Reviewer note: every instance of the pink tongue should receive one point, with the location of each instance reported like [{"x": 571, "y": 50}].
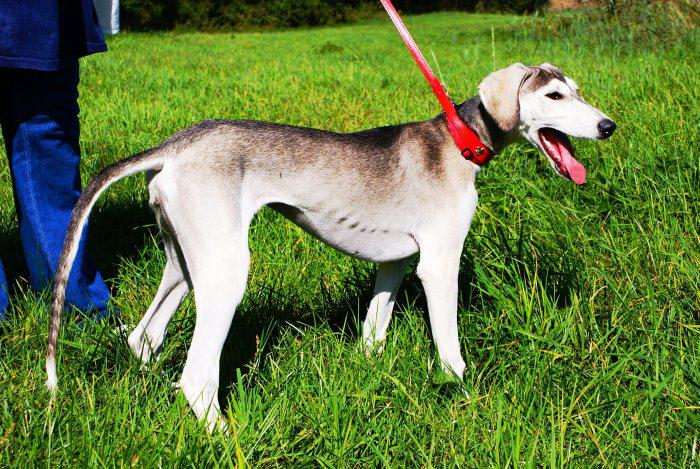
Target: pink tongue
[{"x": 573, "y": 168}]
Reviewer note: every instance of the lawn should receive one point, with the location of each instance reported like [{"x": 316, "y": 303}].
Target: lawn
[{"x": 579, "y": 308}]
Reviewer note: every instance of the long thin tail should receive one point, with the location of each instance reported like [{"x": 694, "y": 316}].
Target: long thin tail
[{"x": 150, "y": 159}]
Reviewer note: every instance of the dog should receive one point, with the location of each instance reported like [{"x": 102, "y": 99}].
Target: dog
[{"x": 382, "y": 195}]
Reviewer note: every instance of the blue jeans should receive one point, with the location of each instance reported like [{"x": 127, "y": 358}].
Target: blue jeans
[{"x": 39, "y": 119}]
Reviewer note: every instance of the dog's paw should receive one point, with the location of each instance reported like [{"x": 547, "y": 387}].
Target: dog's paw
[
  {"x": 450, "y": 382},
  {"x": 142, "y": 348},
  {"x": 220, "y": 425},
  {"x": 371, "y": 347},
  {"x": 443, "y": 377}
]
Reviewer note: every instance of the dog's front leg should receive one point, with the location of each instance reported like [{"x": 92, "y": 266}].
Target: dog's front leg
[
  {"x": 438, "y": 270},
  {"x": 389, "y": 276}
]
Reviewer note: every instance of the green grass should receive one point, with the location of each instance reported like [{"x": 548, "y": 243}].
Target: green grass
[{"x": 579, "y": 306}]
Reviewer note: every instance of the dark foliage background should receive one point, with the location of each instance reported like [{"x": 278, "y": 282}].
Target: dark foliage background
[{"x": 269, "y": 14}]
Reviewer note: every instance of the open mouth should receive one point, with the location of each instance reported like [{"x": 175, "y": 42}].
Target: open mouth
[{"x": 558, "y": 147}]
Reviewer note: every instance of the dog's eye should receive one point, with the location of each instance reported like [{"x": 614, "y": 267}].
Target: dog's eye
[{"x": 554, "y": 95}]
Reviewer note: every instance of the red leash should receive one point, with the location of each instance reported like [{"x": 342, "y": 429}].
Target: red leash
[{"x": 467, "y": 141}]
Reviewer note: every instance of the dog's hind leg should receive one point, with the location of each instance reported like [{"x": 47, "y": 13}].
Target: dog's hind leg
[
  {"x": 389, "y": 276},
  {"x": 219, "y": 282},
  {"x": 212, "y": 230},
  {"x": 147, "y": 338}
]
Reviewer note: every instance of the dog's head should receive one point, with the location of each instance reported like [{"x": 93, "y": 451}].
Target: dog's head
[{"x": 543, "y": 105}]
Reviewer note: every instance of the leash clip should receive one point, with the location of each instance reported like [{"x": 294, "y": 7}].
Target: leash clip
[{"x": 476, "y": 156}]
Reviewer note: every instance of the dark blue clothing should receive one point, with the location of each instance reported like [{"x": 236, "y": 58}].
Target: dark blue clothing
[
  {"x": 40, "y": 34},
  {"x": 39, "y": 119}
]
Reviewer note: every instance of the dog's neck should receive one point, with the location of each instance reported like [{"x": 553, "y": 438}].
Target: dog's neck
[{"x": 475, "y": 116}]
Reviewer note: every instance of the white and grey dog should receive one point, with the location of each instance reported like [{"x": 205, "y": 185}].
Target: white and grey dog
[{"x": 383, "y": 194}]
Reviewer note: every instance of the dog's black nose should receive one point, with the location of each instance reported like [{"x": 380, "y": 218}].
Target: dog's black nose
[{"x": 606, "y": 128}]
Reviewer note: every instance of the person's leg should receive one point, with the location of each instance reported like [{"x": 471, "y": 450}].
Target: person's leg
[
  {"x": 42, "y": 138},
  {"x": 4, "y": 299}
]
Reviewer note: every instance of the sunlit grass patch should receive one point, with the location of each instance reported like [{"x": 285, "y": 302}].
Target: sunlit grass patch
[{"x": 578, "y": 305}]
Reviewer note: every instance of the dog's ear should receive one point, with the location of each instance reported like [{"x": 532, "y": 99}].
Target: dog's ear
[{"x": 500, "y": 94}]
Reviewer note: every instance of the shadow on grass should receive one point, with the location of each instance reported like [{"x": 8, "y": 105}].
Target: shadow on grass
[
  {"x": 259, "y": 324},
  {"x": 258, "y": 327},
  {"x": 119, "y": 231},
  {"x": 13, "y": 259}
]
